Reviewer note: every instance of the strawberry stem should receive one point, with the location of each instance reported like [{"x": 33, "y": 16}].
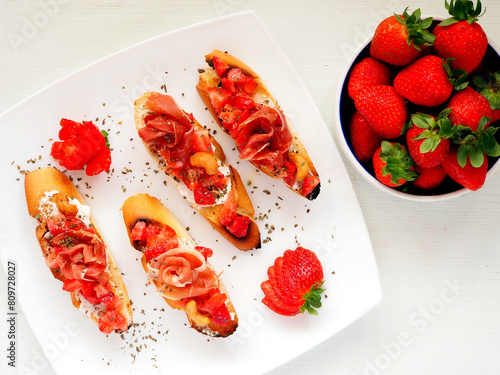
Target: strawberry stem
[
  {"x": 312, "y": 299},
  {"x": 417, "y": 29},
  {"x": 462, "y": 10}
]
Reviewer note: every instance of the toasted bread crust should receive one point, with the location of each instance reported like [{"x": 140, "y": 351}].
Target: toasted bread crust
[
  {"x": 37, "y": 183},
  {"x": 211, "y": 214},
  {"x": 143, "y": 207},
  {"x": 209, "y": 78}
]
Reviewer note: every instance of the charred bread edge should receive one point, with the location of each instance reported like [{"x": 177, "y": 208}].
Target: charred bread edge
[
  {"x": 37, "y": 183},
  {"x": 143, "y": 207},
  {"x": 211, "y": 214},
  {"x": 209, "y": 78}
]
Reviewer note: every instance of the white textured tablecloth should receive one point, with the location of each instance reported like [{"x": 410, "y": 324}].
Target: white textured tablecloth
[{"x": 439, "y": 262}]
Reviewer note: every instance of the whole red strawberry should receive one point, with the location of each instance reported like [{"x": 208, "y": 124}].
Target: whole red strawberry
[
  {"x": 364, "y": 140},
  {"x": 424, "y": 139},
  {"x": 468, "y": 176},
  {"x": 425, "y": 82},
  {"x": 368, "y": 72},
  {"x": 294, "y": 284},
  {"x": 384, "y": 109},
  {"x": 429, "y": 178},
  {"x": 392, "y": 164},
  {"x": 398, "y": 39},
  {"x": 489, "y": 87},
  {"x": 468, "y": 107},
  {"x": 461, "y": 37}
]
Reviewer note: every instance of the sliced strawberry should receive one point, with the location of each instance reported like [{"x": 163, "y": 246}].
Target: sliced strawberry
[
  {"x": 272, "y": 301},
  {"x": 100, "y": 162}
]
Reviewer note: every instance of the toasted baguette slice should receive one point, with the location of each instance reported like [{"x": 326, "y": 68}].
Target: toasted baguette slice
[
  {"x": 143, "y": 207},
  {"x": 49, "y": 193},
  {"x": 211, "y": 213},
  {"x": 304, "y": 180}
]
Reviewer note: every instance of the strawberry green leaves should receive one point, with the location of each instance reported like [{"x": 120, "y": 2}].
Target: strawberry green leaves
[
  {"x": 475, "y": 144},
  {"x": 312, "y": 299},
  {"x": 417, "y": 28},
  {"x": 462, "y": 10}
]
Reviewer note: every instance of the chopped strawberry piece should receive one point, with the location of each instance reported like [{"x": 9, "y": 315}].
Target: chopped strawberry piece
[
  {"x": 111, "y": 300},
  {"x": 201, "y": 142},
  {"x": 139, "y": 231},
  {"x": 228, "y": 211},
  {"x": 205, "y": 251},
  {"x": 213, "y": 303},
  {"x": 70, "y": 285},
  {"x": 290, "y": 170},
  {"x": 219, "y": 97},
  {"x": 239, "y": 226},
  {"x": 100, "y": 162},
  {"x": 220, "y": 66},
  {"x": 309, "y": 185},
  {"x": 155, "y": 251},
  {"x": 111, "y": 321},
  {"x": 204, "y": 197},
  {"x": 221, "y": 316},
  {"x": 61, "y": 225}
]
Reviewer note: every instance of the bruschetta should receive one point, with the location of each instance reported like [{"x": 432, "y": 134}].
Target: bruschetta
[
  {"x": 178, "y": 267},
  {"x": 195, "y": 162},
  {"x": 75, "y": 251},
  {"x": 243, "y": 107}
]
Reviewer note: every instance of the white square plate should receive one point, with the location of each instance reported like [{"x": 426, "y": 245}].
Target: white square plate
[{"x": 332, "y": 225}]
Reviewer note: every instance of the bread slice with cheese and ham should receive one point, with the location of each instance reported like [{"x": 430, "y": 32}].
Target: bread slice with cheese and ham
[
  {"x": 244, "y": 108},
  {"x": 74, "y": 250},
  {"x": 195, "y": 163},
  {"x": 178, "y": 267}
]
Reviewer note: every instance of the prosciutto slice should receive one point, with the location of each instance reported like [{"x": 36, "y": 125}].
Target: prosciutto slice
[
  {"x": 264, "y": 136},
  {"x": 82, "y": 255},
  {"x": 168, "y": 130},
  {"x": 182, "y": 272}
]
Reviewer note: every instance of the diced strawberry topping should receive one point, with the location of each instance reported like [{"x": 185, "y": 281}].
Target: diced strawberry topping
[
  {"x": 201, "y": 142},
  {"x": 139, "y": 231},
  {"x": 290, "y": 170},
  {"x": 220, "y": 66},
  {"x": 59, "y": 225},
  {"x": 155, "y": 251},
  {"x": 204, "y": 197},
  {"x": 205, "y": 251},
  {"x": 219, "y": 97},
  {"x": 111, "y": 321},
  {"x": 239, "y": 226},
  {"x": 309, "y": 185}
]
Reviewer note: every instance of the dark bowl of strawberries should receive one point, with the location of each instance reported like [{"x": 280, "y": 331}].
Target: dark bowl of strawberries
[{"x": 419, "y": 105}]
